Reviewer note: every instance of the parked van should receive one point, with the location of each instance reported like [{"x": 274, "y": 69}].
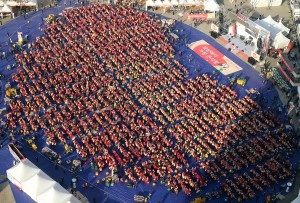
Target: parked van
[{"x": 295, "y": 7}]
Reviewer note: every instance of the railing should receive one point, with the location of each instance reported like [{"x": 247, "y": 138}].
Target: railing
[{"x": 15, "y": 152}]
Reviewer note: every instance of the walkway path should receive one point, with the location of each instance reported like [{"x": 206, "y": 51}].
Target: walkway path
[{"x": 6, "y": 194}]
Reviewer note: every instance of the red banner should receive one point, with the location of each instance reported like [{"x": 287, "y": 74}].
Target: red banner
[
  {"x": 210, "y": 54},
  {"x": 197, "y": 16},
  {"x": 214, "y": 57},
  {"x": 286, "y": 63},
  {"x": 284, "y": 73}
]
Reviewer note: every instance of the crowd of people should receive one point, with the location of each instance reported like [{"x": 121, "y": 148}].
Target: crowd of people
[
  {"x": 242, "y": 187},
  {"x": 116, "y": 92}
]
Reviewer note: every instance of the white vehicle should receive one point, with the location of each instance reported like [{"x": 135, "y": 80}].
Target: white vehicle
[{"x": 295, "y": 7}]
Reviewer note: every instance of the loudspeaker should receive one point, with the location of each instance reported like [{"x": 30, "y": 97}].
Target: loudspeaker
[
  {"x": 252, "y": 61},
  {"x": 214, "y": 34}
]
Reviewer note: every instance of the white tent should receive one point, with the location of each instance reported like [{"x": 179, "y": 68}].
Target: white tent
[
  {"x": 174, "y": 2},
  {"x": 269, "y": 20},
  {"x": 55, "y": 194},
  {"x": 37, "y": 184},
  {"x": 150, "y": 3},
  {"x": 273, "y": 26},
  {"x": 269, "y": 24},
  {"x": 31, "y": 3},
  {"x": 265, "y": 3},
  {"x": 72, "y": 200},
  {"x": 190, "y": 2},
  {"x": 6, "y": 9},
  {"x": 297, "y": 200},
  {"x": 280, "y": 41},
  {"x": 283, "y": 28},
  {"x": 159, "y": 3},
  {"x": 182, "y": 2},
  {"x": 12, "y": 3},
  {"x": 211, "y": 5},
  {"x": 169, "y": 3},
  {"x": 22, "y": 172}
]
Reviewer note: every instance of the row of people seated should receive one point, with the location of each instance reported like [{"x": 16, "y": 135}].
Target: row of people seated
[
  {"x": 243, "y": 156},
  {"x": 243, "y": 187}
]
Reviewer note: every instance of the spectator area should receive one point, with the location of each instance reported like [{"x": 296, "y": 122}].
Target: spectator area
[{"x": 126, "y": 96}]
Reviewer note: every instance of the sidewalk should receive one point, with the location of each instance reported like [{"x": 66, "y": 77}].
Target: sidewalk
[{"x": 6, "y": 194}]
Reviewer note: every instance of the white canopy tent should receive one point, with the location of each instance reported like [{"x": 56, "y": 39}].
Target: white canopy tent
[
  {"x": 12, "y": 3},
  {"x": 269, "y": 20},
  {"x": 37, "y": 184},
  {"x": 32, "y": 3},
  {"x": 273, "y": 25},
  {"x": 170, "y": 3},
  {"x": 55, "y": 194},
  {"x": 280, "y": 41},
  {"x": 29, "y": 3},
  {"x": 175, "y": 2},
  {"x": 278, "y": 31},
  {"x": 22, "y": 172},
  {"x": 153, "y": 3},
  {"x": 283, "y": 28},
  {"x": 269, "y": 24},
  {"x": 265, "y": 3},
  {"x": 72, "y": 200},
  {"x": 21, "y": 3},
  {"x": 297, "y": 200},
  {"x": 167, "y": 3},
  {"x": 6, "y": 9},
  {"x": 211, "y": 5}
]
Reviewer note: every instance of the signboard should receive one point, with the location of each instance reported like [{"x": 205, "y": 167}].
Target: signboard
[
  {"x": 197, "y": 16},
  {"x": 201, "y": 16},
  {"x": 255, "y": 55},
  {"x": 214, "y": 57},
  {"x": 215, "y": 28}
]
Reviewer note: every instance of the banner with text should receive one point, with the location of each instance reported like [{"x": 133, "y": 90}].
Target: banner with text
[
  {"x": 214, "y": 57},
  {"x": 202, "y": 16}
]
